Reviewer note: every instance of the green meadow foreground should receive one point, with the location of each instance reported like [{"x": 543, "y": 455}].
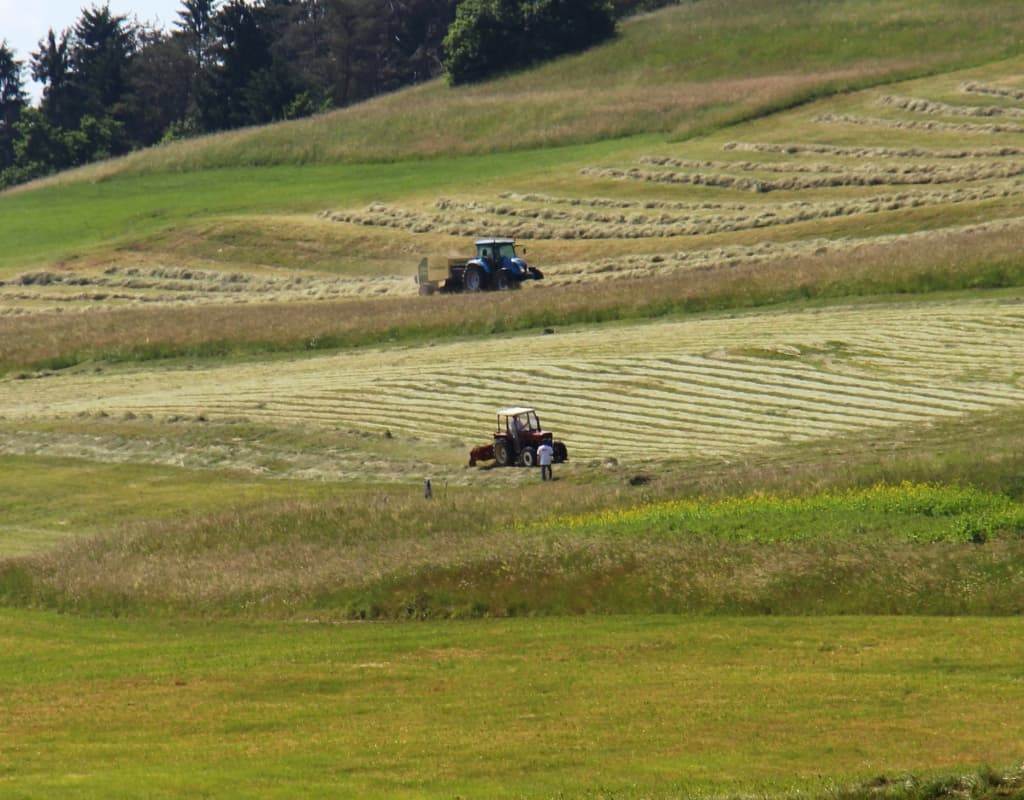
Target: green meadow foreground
[
  {"x": 616, "y": 707},
  {"x": 781, "y": 331}
]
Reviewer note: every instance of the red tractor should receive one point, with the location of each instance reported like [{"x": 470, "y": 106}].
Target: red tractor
[{"x": 516, "y": 441}]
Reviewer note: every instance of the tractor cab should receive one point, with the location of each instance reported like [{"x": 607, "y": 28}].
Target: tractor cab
[
  {"x": 498, "y": 250},
  {"x": 500, "y": 266},
  {"x": 516, "y": 422}
]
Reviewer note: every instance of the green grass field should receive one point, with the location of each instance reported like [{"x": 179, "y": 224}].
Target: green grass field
[
  {"x": 48, "y": 499},
  {"x": 619, "y": 707},
  {"x": 780, "y": 331}
]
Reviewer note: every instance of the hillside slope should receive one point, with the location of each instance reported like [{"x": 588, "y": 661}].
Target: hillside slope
[{"x": 674, "y": 71}]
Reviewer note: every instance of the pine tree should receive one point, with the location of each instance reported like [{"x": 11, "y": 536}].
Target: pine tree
[
  {"x": 195, "y": 21},
  {"x": 51, "y": 67},
  {"x": 102, "y": 47},
  {"x": 12, "y": 102}
]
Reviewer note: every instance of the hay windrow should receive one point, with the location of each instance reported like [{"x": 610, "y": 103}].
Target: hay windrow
[
  {"x": 916, "y": 125},
  {"x": 47, "y": 290},
  {"x": 915, "y": 172},
  {"x": 673, "y": 389},
  {"x": 872, "y": 152},
  {"x": 920, "y": 105},
  {"x": 992, "y": 90},
  {"x": 730, "y": 256},
  {"x": 834, "y": 177},
  {"x": 615, "y": 202},
  {"x": 467, "y": 218}
]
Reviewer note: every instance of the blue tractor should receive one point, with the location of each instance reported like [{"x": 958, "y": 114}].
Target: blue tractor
[{"x": 496, "y": 267}]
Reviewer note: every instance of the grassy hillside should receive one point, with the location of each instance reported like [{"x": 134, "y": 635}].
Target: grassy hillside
[{"x": 673, "y": 71}]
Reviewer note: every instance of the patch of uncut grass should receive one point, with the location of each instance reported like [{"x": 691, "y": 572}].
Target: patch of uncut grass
[
  {"x": 907, "y": 511},
  {"x": 651, "y": 707},
  {"x": 952, "y": 262}
]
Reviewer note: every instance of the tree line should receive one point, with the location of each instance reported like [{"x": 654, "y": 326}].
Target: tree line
[{"x": 111, "y": 84}]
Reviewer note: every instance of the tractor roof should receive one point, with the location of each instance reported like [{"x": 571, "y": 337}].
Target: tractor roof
[
  {"x": 515, "y": 411},
  {"x": 495, "y": 241}
]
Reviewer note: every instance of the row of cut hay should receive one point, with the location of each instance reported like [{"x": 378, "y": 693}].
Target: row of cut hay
[
  {"x": 713, "y": 408},
  {"x": 919, "y": 172},
  {"x": 920, "y": 105},
  {"x": 917, "y": 125},
  {"x": 556, "y": 214},
  {"x": 617, "y": 202},
  {"x": 174, "y": 286},
  {"x": 746, "y": 214},
  {"x": 576, "y": 225},
  {"x": 872, "y": 152},
  {"x": 867, "y": 177},
  {"x": 681, "y": 393},
  {"x": 992, "y": 90},
  {"x": 732, "y": 256}
]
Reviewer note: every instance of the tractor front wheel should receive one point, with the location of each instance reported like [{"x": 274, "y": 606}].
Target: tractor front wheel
[
  {"x": 502, "y": 453},
  {"x": 473, "y": 279},
  {"x": 504, "y": 281},
  {"x": 561, "y": 453},
  {"x": 528, "y": 458}
]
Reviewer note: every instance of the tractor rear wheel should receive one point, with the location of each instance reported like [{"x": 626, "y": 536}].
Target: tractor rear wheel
[
  {"x": 528, "y": 458},
  {"x": 502, "y": 453},
  {"x": 473, "y": 279}
]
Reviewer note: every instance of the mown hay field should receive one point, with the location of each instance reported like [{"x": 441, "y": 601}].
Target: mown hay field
[
  {"x": 934, "y": 156},
  {"x": 718, "y": 385}
]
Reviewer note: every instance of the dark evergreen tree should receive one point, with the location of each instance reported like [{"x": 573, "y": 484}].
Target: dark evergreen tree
[
  {"x": 240, "y": 50},
  {"x": 195, "y": 21},
  {"x": 160, "y": 87},
  {"x": 554, "y": 27},
  {"x": 418, "y": 29},
  {"x": 51, "y": 67},
  {"x": 101, "y": 49},
  {"x": 352, "y": 39},
  {"x": 12, "y": 102}
]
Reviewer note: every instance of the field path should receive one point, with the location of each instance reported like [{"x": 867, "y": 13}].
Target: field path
[{"x": 710, "y": 386}]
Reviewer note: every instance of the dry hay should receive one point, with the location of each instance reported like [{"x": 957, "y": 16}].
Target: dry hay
[
  {"x": 617, "y": 202},
  {"x": 914, "y": 172},
  {"x": 917, "y": 125},
  {"x": 873, "y": 152},
  {"x": 919, "y": 105},
  {"x": 468, "y": 218},
  {"x": 713, "y": 386},
  {"x": 834, "y": 177},
  {"x": 973, "y": 87},
  {"x": 177, "y": 285},
  {"x": 731, "y": 256}
]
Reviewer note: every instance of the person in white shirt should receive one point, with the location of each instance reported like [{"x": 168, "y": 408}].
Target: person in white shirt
[{"x": 545, "y": 455}]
